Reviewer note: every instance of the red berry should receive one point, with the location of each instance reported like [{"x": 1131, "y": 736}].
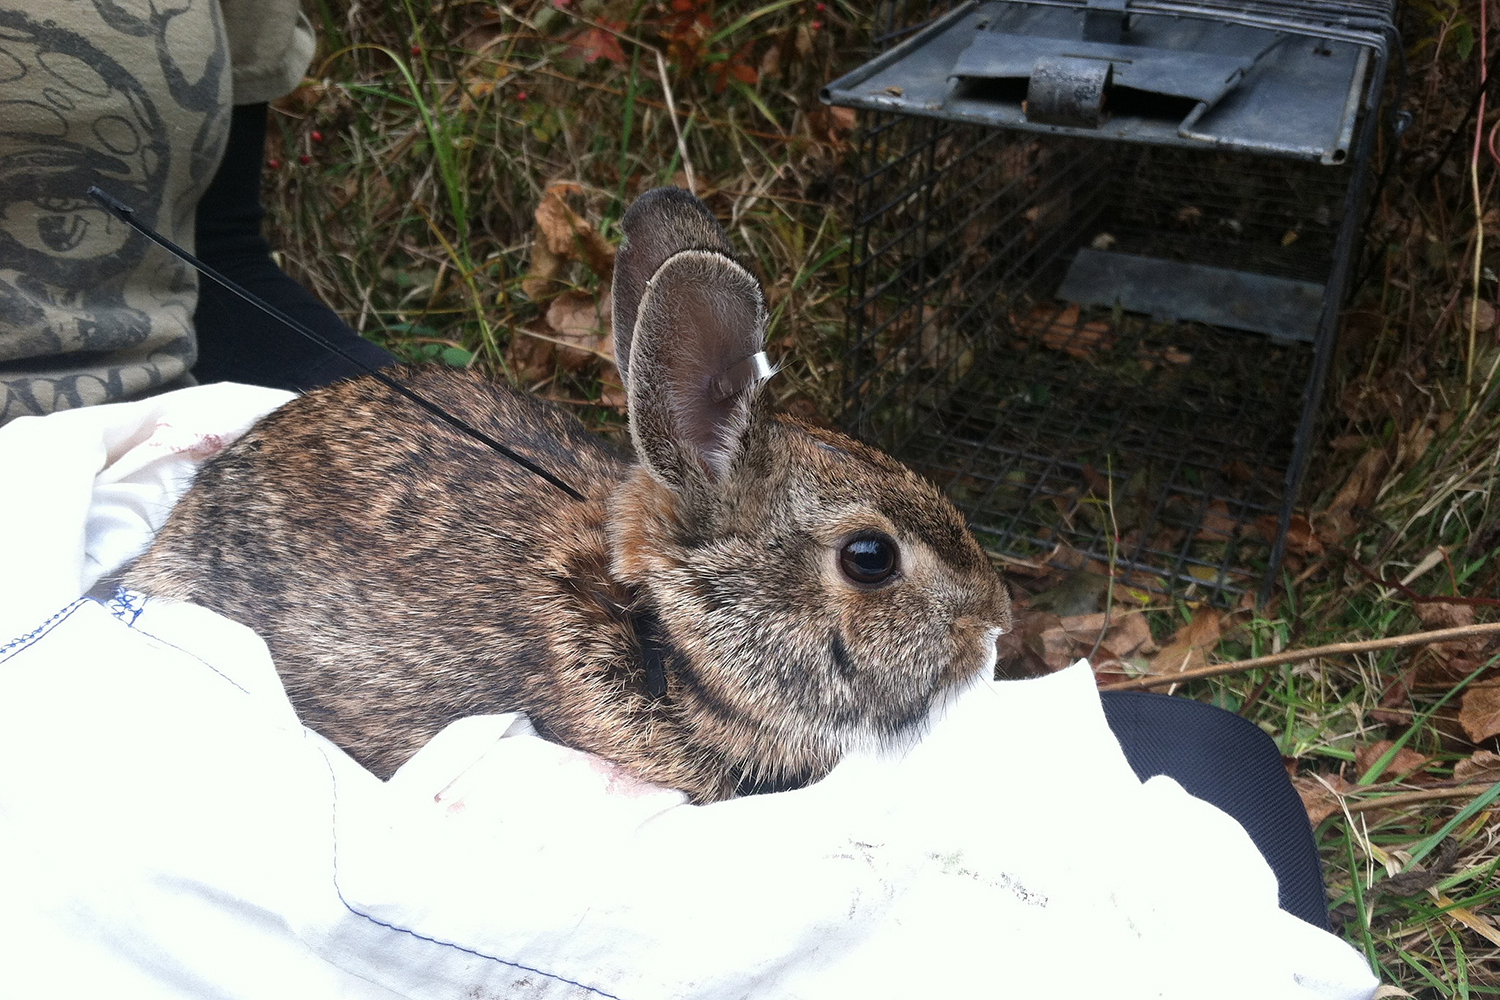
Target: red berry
[
  {"x": 520, "y": 95},
  {"x": 317, "y": 136},
  {"x": 273, "y": 163},
  {"x": 820, "y": 7},
  {"x": 304, "y": 159},
  {"x": 816, "y": 25},
  {"x": 416, "y": 50}
]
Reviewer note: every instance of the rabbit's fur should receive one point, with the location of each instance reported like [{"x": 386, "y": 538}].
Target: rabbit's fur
[{"x": 405, "y": 576}]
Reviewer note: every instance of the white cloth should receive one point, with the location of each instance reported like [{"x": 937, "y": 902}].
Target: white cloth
[{"x": 168, "y": 828}]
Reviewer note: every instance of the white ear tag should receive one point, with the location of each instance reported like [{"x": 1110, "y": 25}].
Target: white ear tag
[{"x": 742, "y": 375}]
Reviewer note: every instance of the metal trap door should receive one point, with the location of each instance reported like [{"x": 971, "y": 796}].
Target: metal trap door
[
  {"x": 1230, "y": 241},
  {"x": 1284, "y": 80}
]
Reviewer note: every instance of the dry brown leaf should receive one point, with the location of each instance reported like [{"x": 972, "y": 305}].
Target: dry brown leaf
[
  {"x": 546, "y": 269},
  {"x": 1404, "y": 763},
  {"x": 529, "y": 357},
  {"x": 1482, "y": 766},
  {"x": 1484, "y": 314},
  {"x": 1320, "y": 794},
  {"x": 1190, "y": 645},
  {"x": 570, "y": 236},
  {"x": 1239, "y": 472},
  {"x": 1128, "y": 633},
  {"x": 1150, "y": 357},
  {"x": 580, "y": 324},
  {"x": 770, "y": 63},
  {"x": 1480, "y": 713},
  {"x": 1301, "y": 540},
  {"x": 1455, "y": 660},
  {"x": 1062, "y": 331},
  {"x": 1440, "y": 614},
  {"x": 1218, "y": 524},
  {"x": 1023, "y": 651},
  {"x": 1358, "y": 492}
]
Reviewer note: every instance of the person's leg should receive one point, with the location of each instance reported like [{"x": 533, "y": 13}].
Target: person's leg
[
  {"x": 1229, "y": 762},
  {"x": 237, "y": 342}
]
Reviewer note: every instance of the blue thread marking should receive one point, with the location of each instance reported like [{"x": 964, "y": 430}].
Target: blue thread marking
[
  {"x": 20, "y": 642},
  {"x": 333, "y": 830},
  {"x": 126, "y": 605}
]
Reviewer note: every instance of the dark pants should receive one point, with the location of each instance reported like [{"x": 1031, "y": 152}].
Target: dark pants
[
  {"x": 237, "y": 342},
  {"x": 1223, "y": 759}
]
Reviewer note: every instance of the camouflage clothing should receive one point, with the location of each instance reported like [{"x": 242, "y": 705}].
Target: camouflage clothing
[{"x": 134, "y": 96}]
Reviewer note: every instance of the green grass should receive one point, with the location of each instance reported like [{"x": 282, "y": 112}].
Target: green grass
[{"x": 442, "y": 124}]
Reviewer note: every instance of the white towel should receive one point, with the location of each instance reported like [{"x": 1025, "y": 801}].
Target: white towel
[{"x": 168, "y": 828}]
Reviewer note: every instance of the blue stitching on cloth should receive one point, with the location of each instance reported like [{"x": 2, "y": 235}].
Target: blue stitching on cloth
[
  {"x": 131, "y": 603},
  {"x": 125, "y": 605},
  {"x": 20, "y": 642},
  {"x": 333, "y": 830}
]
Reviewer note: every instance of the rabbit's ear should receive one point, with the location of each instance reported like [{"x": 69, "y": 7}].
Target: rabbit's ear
[
  {"x": 661, "y": 223},
  {"x": 694, "y": 367}
]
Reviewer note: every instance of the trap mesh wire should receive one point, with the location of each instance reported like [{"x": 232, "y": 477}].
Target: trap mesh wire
[{"x": 1043, "y": 418}]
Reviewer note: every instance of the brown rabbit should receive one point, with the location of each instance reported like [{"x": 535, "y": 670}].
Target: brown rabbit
[{"x": 730, "y": 614}]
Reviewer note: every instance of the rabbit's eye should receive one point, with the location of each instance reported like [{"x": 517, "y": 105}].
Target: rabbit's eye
[{"x": 868, "y": 559}]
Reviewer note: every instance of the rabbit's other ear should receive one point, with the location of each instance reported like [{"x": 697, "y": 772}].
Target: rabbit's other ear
[
  {"x": 699, "y": 317},
  {"x": 660, "y": 223}
]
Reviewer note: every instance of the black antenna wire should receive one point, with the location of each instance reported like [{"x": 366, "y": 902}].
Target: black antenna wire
[{"x": 126, "y": 214}]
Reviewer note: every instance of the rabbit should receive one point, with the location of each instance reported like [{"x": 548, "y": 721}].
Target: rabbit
[{"x": 730, "y": 613}]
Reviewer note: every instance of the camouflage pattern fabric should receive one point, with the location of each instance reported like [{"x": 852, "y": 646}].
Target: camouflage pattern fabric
[{"x": 134, "y": 96}]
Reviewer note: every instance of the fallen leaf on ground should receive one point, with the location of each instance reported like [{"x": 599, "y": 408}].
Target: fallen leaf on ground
[
  {"x": 1078, "y": 592},
  {"x": 1441, "y": 614},
  {"x": 529, "y": 357},
  {"x": 546, "y": 269},
  {"x": 1320, "y": 794},
  {"x": 612, "y": 395},
  {"x": 1483, "y": 311},
  {"x": 1404, "y": 763},
  {"x": 1337, "y": 522},
  {"x": 1300, "y": 538},
  {"x": 1218, "y": 524},
  {"x": 1022, "y": 652},
  {"x": 580, "y": 325},
  {"x": 1062, "y": 331},
  {"x": 1052, "y": 643},
  {"x": 1482, "y": 766},
  {"x": 591, "y": 44},
  {"x": 1447, "y": 662},
  {"x": 569, "y": 235},
  {"x": 1150, "y": 357},
  {"x": 1479, "y": 713},
  {"x": 1190, "y": 646}
]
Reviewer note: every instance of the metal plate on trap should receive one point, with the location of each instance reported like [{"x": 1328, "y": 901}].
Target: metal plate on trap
[
  {"x": 1233, "y": 87},
  {"x": 1172, "y": 290}
]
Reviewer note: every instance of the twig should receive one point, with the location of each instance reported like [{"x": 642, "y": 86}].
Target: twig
[
  {"x": 1297, "y": 655},
  {"x": 1409, "y": 798}
]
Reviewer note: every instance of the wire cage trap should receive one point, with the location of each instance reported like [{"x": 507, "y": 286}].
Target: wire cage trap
[{"x": 1097, "y": 261}]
